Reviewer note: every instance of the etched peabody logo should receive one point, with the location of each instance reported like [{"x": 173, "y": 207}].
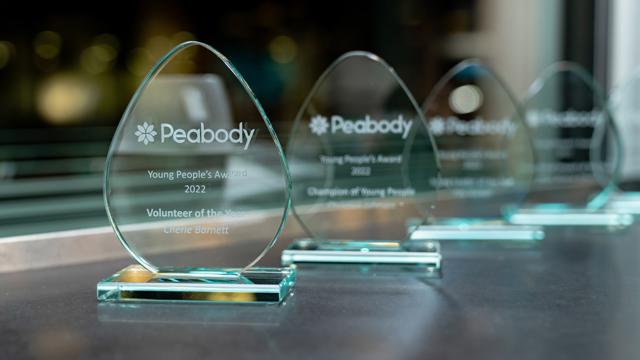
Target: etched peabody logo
[
  {"x": 320, "y": 125},
  {"x": 146, "y": 134},
  {"x": 563, "y": 119},
  {"x": 451, "y": 125}
]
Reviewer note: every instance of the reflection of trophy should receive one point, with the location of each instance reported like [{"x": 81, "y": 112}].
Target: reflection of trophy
[
  {"x": 485, "y": 156},
  {"x": 194, "y": 180},
  {"x": 361, "y": 159},
  {"x": 577, "y": 151}
]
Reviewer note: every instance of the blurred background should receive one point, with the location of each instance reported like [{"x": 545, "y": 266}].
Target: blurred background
[{"x": 67, "y": 71}]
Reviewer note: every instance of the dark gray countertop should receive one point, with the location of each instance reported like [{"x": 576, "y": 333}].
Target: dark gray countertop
[{"x": 576, "y": 296}]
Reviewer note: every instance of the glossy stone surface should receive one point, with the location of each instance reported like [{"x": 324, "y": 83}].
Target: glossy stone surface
[{"x": 575, "y": 297}]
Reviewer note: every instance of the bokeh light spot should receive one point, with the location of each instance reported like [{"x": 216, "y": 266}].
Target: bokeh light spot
[
  {"x": 47, "y": 44},
  {"x": 66, "y": 98},
  {"x": 283, "y": 49},
  {"x": 466, "y": 99}
]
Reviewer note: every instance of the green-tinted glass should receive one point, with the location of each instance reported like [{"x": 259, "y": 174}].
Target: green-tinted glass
[
  {"x": 484, "y": 148},
  {"x": 196, "y": 165},
  {"x": 576, "y": 143},
  {"x": 360, "y": 154}
]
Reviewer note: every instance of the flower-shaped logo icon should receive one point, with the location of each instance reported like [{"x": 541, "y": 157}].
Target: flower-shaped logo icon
[
  {"x": 145, "y": 133},
  {"x": 319, "y": 125}
]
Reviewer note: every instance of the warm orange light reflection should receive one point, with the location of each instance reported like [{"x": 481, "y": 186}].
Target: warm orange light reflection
[{"x": 66, "y": 98}]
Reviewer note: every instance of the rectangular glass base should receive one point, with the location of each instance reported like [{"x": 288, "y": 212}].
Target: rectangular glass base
[
  {"x": 178, "y": 314},
  {"x": 628, "y": 202},
  {"x": 418, "y": 253},
  {"x": 259, "y": 285},
  {"x": 481, "y": 232},
  {"x": 571, "y": 217}
]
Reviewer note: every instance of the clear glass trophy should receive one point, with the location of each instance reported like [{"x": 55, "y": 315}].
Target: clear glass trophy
[
  {"x": 361, "y": 160},
  {"x": 196, "y": 187},
  {"x": 624, "y": 105},
  {"x": 577, "y": 149},
  {"x": 486, "y": 158}
]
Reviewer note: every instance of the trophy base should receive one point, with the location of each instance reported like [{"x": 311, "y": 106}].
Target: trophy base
[
  {"x": 136, "y": 284},
  {"x": 628, "y": 202},
  {"x": 571, "y": 217},
  {"x": 478, "y": 232},
  {"x": 416, "y": 253}
]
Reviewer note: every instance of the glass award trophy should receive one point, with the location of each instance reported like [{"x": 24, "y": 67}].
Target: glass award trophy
[
  {"x": 624, "y": 105},
  {"x": 485, "y": 154},
  {"x": 196, "y": 187},
  {"x": 577, "y": 150},
  {"x": 361, "y": 158}
]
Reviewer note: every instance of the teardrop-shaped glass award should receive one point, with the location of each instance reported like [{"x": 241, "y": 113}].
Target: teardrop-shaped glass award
[
  {"x": 624, "y": 105},
  {"x": 577, "y": 150},
  {"x": 196, "y": 186},
  {"x": 485, "y": 154},
  {"x": 361, "y": 160}
]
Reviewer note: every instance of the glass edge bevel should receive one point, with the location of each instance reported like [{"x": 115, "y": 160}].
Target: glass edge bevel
[
  {"x": 377, "y": 59},
  {"x": 153, "y": 72},
  {"x": 599, "y": 200},
  {"x": 517, "y": 105}
]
